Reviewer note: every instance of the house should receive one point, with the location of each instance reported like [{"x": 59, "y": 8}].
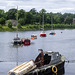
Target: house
[{"x": 14, "y": 22}]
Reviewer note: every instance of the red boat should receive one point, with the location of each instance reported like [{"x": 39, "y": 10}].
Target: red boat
[
  {"x": 42, "y": 34},
  {"x": 25, "y": 41}
]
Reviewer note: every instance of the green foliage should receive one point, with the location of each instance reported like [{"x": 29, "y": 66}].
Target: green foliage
[
  {"x": 11, "y": 14},
  {"x": 42, "y": 11},
  {"x": 21, "y": 21},
  {"x": 1, "y": 13},
  {"x": 33, "y": 11},
  {"x": 21, "y": 13},
  {"x": 9, "y": 23},
  {"x": 19, "y": 26},
  {"x": 0, "y": 26},
  {"x": 29, "y": 18},
  {"x": 2, "y": 20},
  {"x": 32, "y": 20}
]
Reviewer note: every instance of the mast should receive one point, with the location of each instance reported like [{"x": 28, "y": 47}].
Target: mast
[
  {"x": 43, "y": 22},
  {"x": 17, "y": 23},
  {"x": 51, "y": 23}
]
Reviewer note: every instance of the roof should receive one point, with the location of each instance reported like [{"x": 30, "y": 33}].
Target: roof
[{"x": 50, "y": 52}]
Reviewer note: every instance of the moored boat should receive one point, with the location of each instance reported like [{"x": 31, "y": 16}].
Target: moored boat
[
  {"x": 45, "y": 63},
  {"x": 43, "y": 34},
  {"x": 17, "y": 40},
  {"x": 25, "y": 41},
  {"x": 52, "y": 32},
  {"x": 33, "y": 36}
]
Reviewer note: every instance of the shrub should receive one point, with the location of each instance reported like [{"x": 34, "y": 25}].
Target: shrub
[
  {"x": 0, "y": 26},
  {"x": 19, "y": 25},
  {"x": 9, "y": 23}
]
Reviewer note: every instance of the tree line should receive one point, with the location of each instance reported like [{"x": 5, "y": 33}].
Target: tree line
[{"x": 35, "y": 18}]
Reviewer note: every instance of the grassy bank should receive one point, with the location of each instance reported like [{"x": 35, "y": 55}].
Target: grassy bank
[{"x": 37, "y": 27}]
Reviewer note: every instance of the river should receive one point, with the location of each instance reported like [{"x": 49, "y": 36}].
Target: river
[{"x": 11, "y": 55}]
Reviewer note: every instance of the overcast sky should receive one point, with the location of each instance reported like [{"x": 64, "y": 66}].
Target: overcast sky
[{"x": 63, "y": 6}]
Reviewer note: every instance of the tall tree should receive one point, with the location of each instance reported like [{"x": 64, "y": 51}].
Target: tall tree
[
  {"x": 42, "y": 11},
  {"x": 1, "y": 13},
  {"x": 2, "y": 20},
  {"x": 33, "y": 11},
  {"x": 21, "y": 13},
  {"x": 29, "y": 18},
  {"x": 11, "y": 14}
]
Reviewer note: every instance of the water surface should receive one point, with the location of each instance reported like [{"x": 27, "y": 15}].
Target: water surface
[{"x": 62, "y": 42}]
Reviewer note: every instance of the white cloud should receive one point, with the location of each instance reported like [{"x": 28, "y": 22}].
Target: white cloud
[{"x": 49, "y": 5}]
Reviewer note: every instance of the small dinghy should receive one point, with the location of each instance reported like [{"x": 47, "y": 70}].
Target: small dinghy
[{"x": 33, "y": 36}]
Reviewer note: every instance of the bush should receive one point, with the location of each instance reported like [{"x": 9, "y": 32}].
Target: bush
[
  {"x": 9, "y": 23},
  {"x": 19, "y": 25},
  {"x": 0, "y": 26}
]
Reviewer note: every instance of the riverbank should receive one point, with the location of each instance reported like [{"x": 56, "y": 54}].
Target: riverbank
[{"x": 37, "y": 27}]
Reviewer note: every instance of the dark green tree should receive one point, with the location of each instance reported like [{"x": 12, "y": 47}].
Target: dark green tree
[
  {"x": 11, "y": 14},
  {"x": 21, "y": 13},
  {"x": 2, "y": 20},
  {"x": 21, "y": 21},
  {"x": 33, "y": 11},
  {"x": 19, "y": 26},
  {"x": 1, "y": 13},
  {"x": 29, "y": 18},
  {"x": 9, "y": 23}
]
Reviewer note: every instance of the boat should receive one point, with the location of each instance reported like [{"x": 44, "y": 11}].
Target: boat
[
  {"x": 17, "y": 40},
  {"x": 52, "y": 31},
  {"x": 43, "y": 34},
  {"x": 47, "y": 62},
  {"x": 25, "y": 41},
  {"x": 33, "y": 36}
]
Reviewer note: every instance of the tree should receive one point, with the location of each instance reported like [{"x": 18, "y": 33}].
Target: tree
[
  {"x": 29, "y": 18},
  {"x": 1, "y": 13},
  {"x": 9, "y": 23},
  {"x": 21, "y": 13},
  {"x": 19, "y": 25},
  {"x": 42, "y": 11},
  {"x": 33, "y": 11},
  {"x": 2, "y": 20},
  {"x": 22, "y": 21},
  {"x": 0, "y": 26},
  {"x": 11, "y": 14}
]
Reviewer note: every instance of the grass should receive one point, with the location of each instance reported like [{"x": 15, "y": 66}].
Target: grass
[{"x": 37, "y": 27}]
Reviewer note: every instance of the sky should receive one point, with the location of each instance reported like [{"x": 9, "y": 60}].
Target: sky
[{"x": 55, "y": 6}]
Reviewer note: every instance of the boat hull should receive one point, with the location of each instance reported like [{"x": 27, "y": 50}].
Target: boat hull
[
  {"x": 51, "y": 33},
  {"x": 25, "y": 41},
  {"x": 17, "y": 42},
  {"x": 47, "y": 71},
  {"x": 42, "y": 35}
]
